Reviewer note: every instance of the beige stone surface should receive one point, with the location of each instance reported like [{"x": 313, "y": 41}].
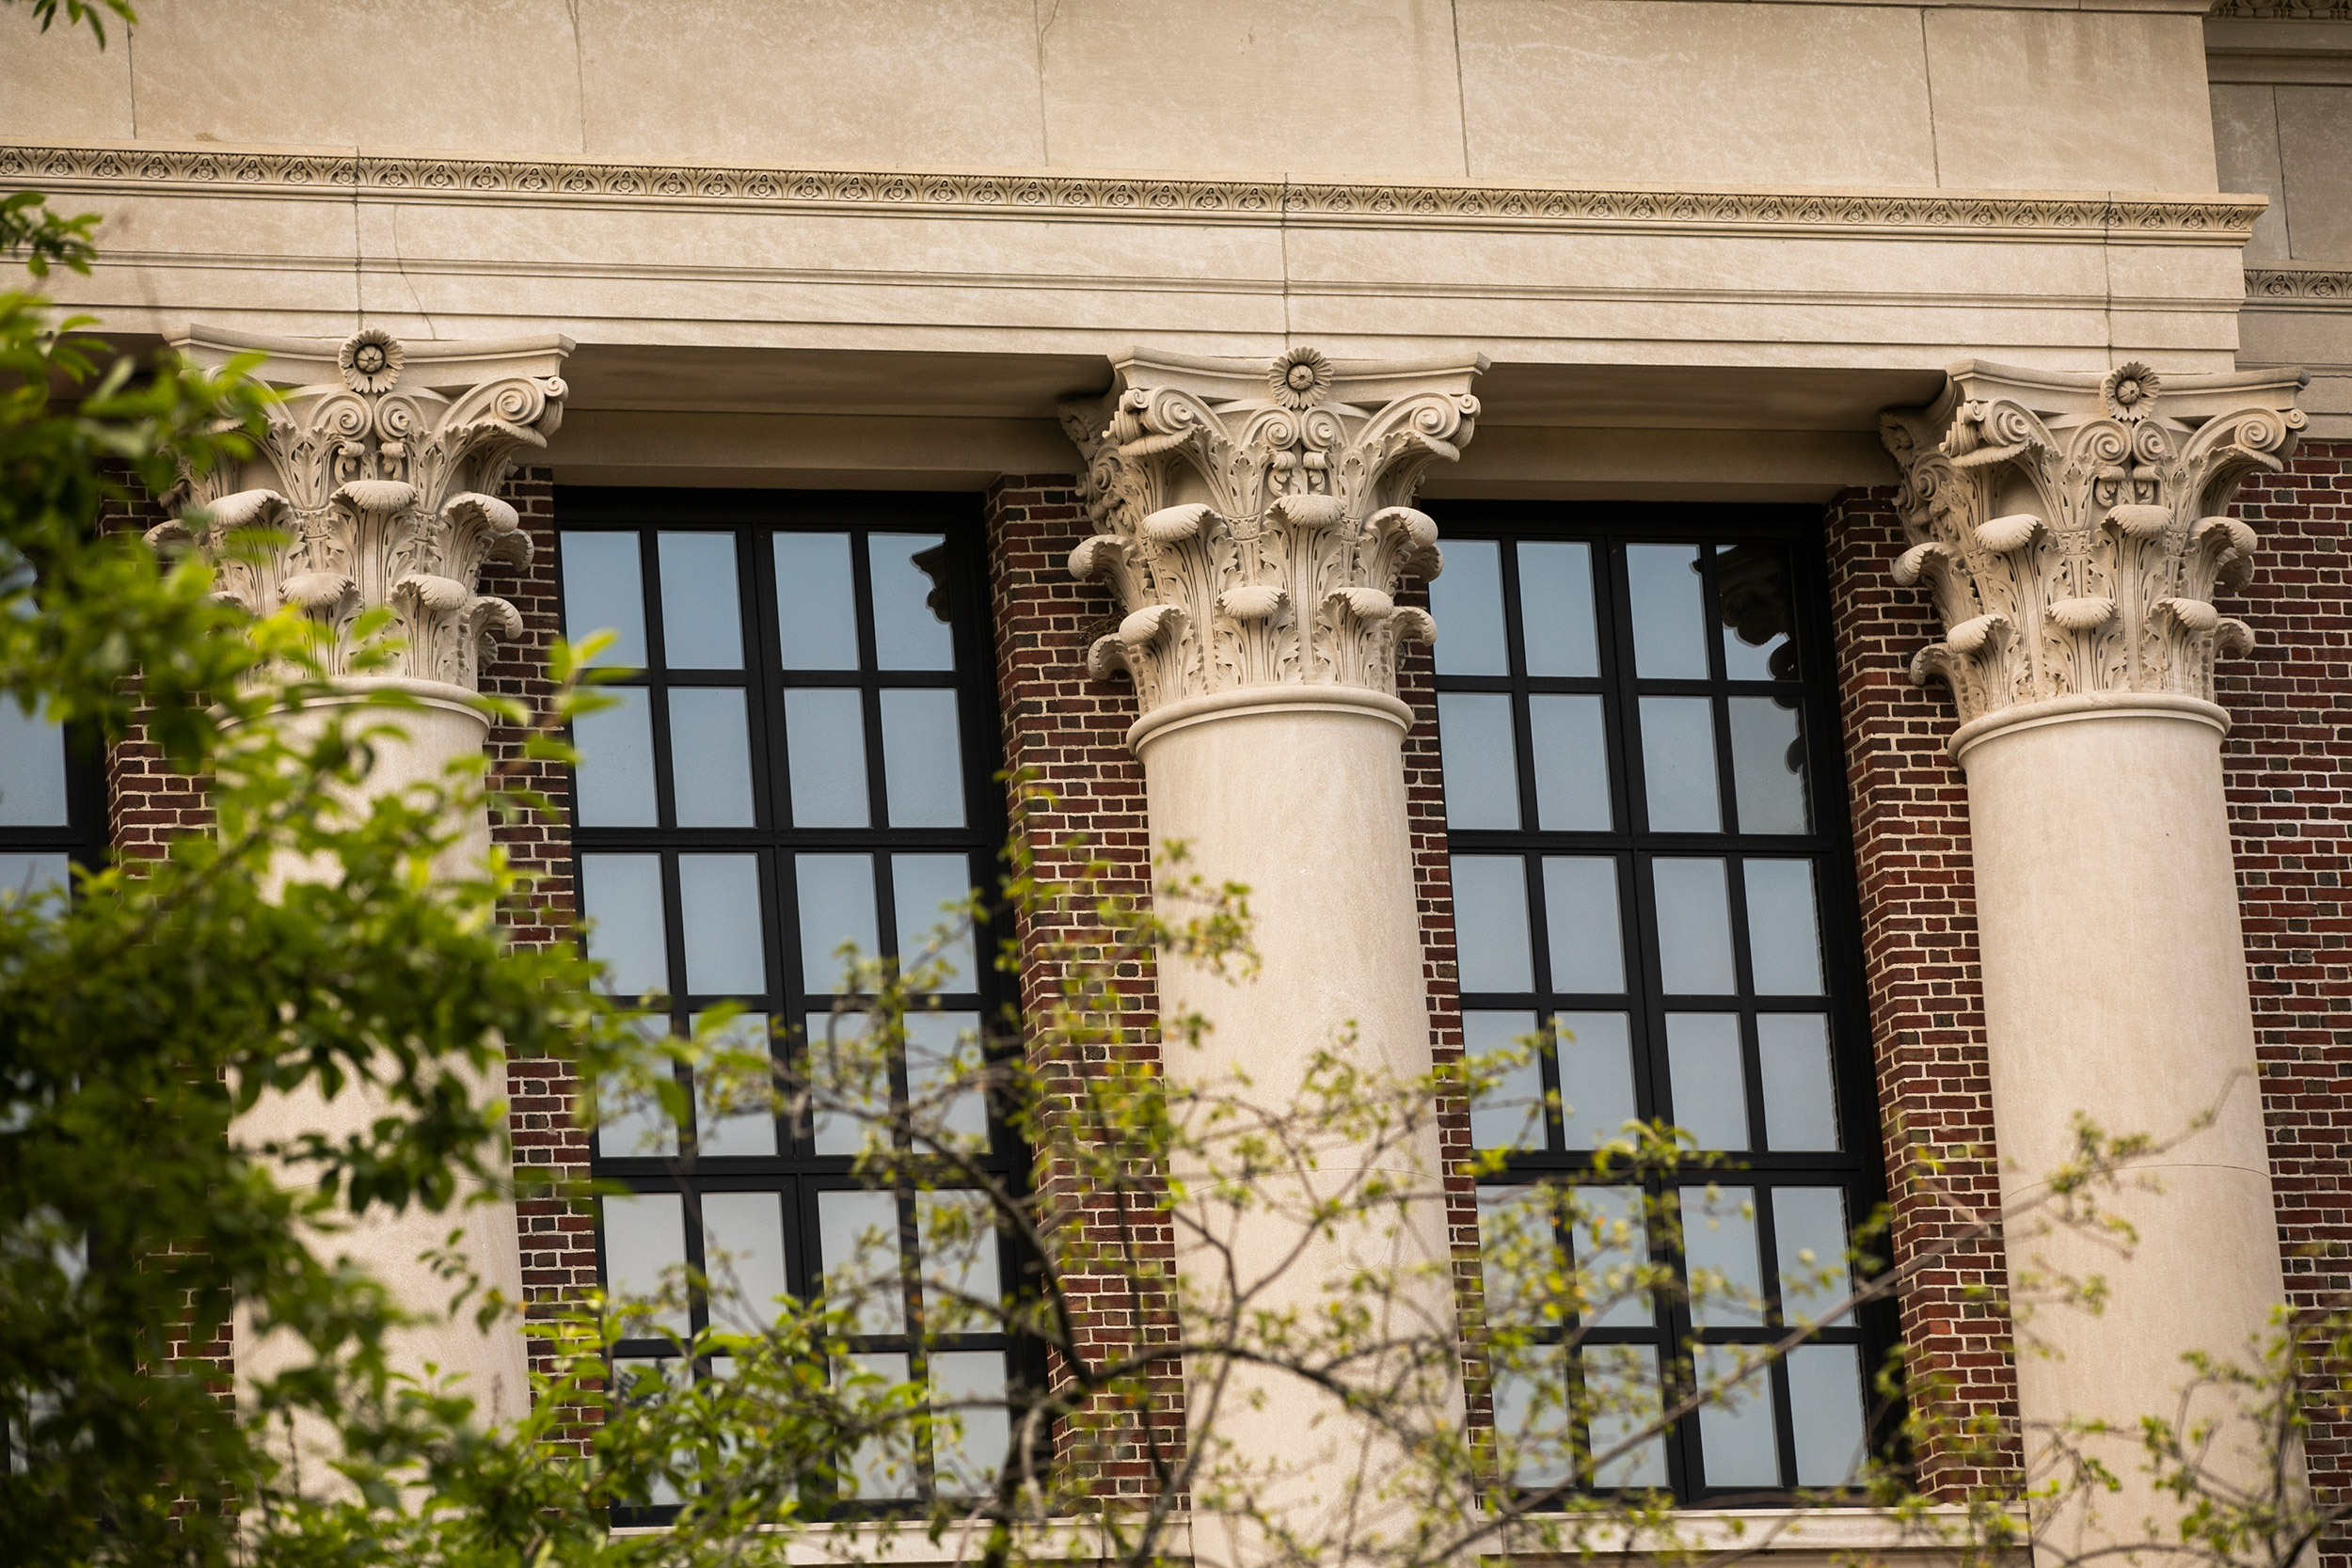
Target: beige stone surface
[
  {"x": 2315, "y": 152},
  {"x": 2114, "y": 987},
  {"x": 2246, "y": 155},
  {"x": 60, "y": 84},
  {"x": 393, "y": 1248},
  {"x": 1353, "y": 89},
  {"x": 495, "y": 73},
  {"x": 1664, "y": 91},
  {"x": 825, "y": 82},
  {"x": 2043, "y": 99},
  {"x": 1304, "y": 801}
]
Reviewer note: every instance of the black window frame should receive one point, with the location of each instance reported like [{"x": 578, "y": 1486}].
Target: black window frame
[
  {"x": 1859, "y": 1168},
  {"x": 85, "y": 838},
  {"x": 751, "y": 517}
]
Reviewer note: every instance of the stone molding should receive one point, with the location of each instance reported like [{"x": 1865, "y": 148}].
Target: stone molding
[
  {"x": 2324, "y": 286},
  {"x": 2073, "y": 529},
  {"x": 381, "y": 466},
  {"x": 1255, "y": 521},
  {"x": 339, "y": 175}
]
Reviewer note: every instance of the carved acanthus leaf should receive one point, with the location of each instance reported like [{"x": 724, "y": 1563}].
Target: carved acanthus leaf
[
  {"x": 1256, "y": 521},
  {"x": 2073, "y": 529},
  {"x": 381, "y": 495}
]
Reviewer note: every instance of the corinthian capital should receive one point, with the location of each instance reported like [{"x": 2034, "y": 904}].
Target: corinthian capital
[
  {"x": 380, "y": 468},
  {"x": 2075, "y": 529},
  {"x": 1256, "y": 520}
]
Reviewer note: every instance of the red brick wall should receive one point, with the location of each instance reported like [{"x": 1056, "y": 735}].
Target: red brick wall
[
  {"x": 2287, "y": 763},
  {"x": 1067, "y": 733},
  {"x": 1917, "y": 899},
  {"x": 1433, "y": 886},
  {"x": 558, "y": 1238}
]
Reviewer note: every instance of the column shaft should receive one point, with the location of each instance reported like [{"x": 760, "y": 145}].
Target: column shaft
[{"x": 2115, "y": 986}]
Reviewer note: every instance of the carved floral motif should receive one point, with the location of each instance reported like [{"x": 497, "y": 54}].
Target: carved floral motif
[
  {"x": 2073, "y": 529},
  {"x": 386, "y": 497},
  {"x": 1256, "y": 529}
]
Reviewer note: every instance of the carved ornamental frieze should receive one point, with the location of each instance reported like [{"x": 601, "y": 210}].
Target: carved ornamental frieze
[
  {"x": 2075, "y": 529},
  {"x": 385, "y": 490},
  {"x": 1256, "y": 521}
]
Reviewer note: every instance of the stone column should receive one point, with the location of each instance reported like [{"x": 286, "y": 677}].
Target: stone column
[
  {"x": 381, "y": 466},
  {"x": 1254, "y": 522},
  {"x": 2074, "y": 531}
]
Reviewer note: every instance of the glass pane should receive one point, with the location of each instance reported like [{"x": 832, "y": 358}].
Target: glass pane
[
  {"x": 1710, "y": 1091},
  {"x": 816, "y": 602},
  {"x": 960, "y": 1263},
  {"x": 743, "y": 1258},
  {"x": 727, "y": 932},
  {"x": 1612, "y": 1244},
  {"x": 702, "y": 612},
  {"x": 1566, "y": 734},
  {"x": 1596, "y": 1053},
  {"x": 1531, "y": 1417},
  {"x": 1784, "y": 932},
  {"x": 1768, "y": 766},
  {"x": 836, "y": 904},
  {"x": 1669, "y": 625},
  {"x": 620, "y": 898},
  {"x": 1679, "y": 764},
  {"x": 32, "y": 770},
  {"x": 1511, "y": 1113},
  {"x": 1621, "y": 1391},
  {"x": 922, "y": 887},
  {"x": 969, "y": 1385},
  {"x": 29, "y": 873},
  {"x": 749, "y": 1127},
  {"x": 614, "y": 780},
  {"x": 604, "y": 589},
  {"x": 922, "y": 758},
  {"x": 1719, "y": 1243},
  {"x": 1491, "y": 924},
  {"x": 881, "y": 1467},
  {"x": 1809, "y": 1234},
  {"x": 1482, "y": 770},
  {"x": 1825, "y": 1398},
  {"x": 911, "y": 628},
  {"x": 858, "y": 1234},
  {"x": 646, "y": 1380},
  {"x": 634, "y": 1126},
  {"x": 1694, "y": 927},
  {"x": 644, "y": 1237},
  {"x": 1800, "y": 1095},
  {"x": 943, "y": 1057},
  {"x": 1581, "y": 916},
  {"x": 1467, "y": 603},
  {"x": 824, "y": 737},
  {"x": 854, "y": 1078},
  {"x": 710, "y": 757},
  {"x": 1752, "y": 583},
  {"x": 1556, "y": 608},
  {"x": 1519, "y": 1251},
  {"x": 1736, "y": 1428}
]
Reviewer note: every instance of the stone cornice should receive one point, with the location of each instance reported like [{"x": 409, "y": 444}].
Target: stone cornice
[
  {"x": 2299, "y": 286},
  {"x": 380, "y": 468},
  {"x": 1254, "y": 518},
  {"x": 339, "y": 175},
  {"x": 2075, "y": 530}
]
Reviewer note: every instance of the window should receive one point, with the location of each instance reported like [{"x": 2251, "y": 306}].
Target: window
[
  {"x": 803, "y": 755},
  {"x": 53, "y": 804},
  {"x": 1646, "y": 821}
]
